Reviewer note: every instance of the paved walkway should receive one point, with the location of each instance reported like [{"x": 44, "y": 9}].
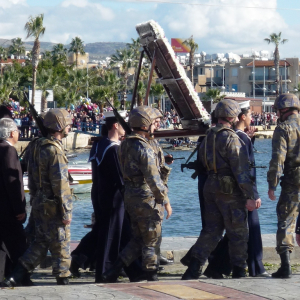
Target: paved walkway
[{"x": 170, "y": 287}]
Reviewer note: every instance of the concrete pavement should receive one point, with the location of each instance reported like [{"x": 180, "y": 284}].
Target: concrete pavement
[{"x": 170, "y": 287}]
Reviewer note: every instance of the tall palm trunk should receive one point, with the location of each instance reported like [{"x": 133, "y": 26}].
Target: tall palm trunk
[
  {"x": 44, "y": 101},
  {"x": 35, "y": 62},
  {"x": 276, "y": 62},
  {"x": 76, "y": 57},
  {"x": 192, "y": 66},
  {"x": 140, "y": 101}
]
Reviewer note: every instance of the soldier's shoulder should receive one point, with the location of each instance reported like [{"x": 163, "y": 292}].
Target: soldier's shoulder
[{"x": 284, "y": 126}]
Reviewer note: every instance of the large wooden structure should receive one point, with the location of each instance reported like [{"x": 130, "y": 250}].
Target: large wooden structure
[{"x": 195, "y": 119}]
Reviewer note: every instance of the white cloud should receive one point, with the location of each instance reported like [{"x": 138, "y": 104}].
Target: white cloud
[
  {"x": 229, "y": 28},
  {"x": 78, "y": 3},
  {"x": 215, "y": 28}
]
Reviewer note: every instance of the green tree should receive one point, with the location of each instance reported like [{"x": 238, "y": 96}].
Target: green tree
[
  {"x": 8, "y": 83},
  {"x": 194, "y": 47},
  {"x": 276, "y": 39},
  {"x": 157, "y": 90},
  {"x": 214, "y": 94},
  {"x": 60, "y": 54},
  {"x": 35, "y": 28},
  {"x": 123, "y": 60},
  {"x": 46, "y": 81},
  {"x": 17, "y": 47},
  {"x": 77, "y": 47},
  {"x": 141, "y": 93}
]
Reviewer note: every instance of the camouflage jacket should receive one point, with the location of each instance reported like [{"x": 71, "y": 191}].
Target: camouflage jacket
[
  {"x": 48, "y": 175},
  {"x": 285, "y": 150},
  {"x": 231, "y": 159},
  {"x": 140, "y": 171},
  {"x": 162, "y": 168}
]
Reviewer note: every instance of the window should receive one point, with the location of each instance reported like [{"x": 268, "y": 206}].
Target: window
[
  {"x": 234, "y": 87},
  {"x": 234, "y": 72}
]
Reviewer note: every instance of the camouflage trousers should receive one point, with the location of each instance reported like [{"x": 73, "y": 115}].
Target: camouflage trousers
[
  {"x": 146, "y": 237},
  {"x": 287, "y": 212},
  {"x": 52, "y": 235},
  {"x": 223, "y": 212}
]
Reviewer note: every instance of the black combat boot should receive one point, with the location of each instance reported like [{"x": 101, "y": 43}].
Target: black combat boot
[
  {"x": 152, "y": 275},
  {"x": 211, "y": 273},
  {"x": 164, "y": 261},
  {"x": 187, "y": 258},
  {"x": 74, "y": 268},
  {"x": 238, "y": 272},
  {"x": 285, "y": 270},
  {"x": 112, "y": 274},
  {"x": 17, "y": 276},
  {"x": 194, "y": 270},
  {"x": 62, "y": 281}
]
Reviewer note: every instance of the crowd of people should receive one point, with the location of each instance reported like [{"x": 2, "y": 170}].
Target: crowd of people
[
  {"x": 130, "y": 195},
  {"x": 264, "y": 119}
]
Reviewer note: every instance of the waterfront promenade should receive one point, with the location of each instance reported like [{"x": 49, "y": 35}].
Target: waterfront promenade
[{"x": 170, "y": 287}]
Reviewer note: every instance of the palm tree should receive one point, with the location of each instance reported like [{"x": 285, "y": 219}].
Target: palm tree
[
  {"x": 44, "y": 82},
  {"x": 8, "y": 83},
  {"x": 36, "y": 29},
  {"x": 158, "y": 90},
  {"x": 194, "y": 47},
  {"x": 3, "y": 56},
  {"x": 77, "y": 47},
  {"x": 17, "y": 47},
  {"x": 135, "y": 46},
  {"x": 123, "y": 59},
  {"x": 59, "y": 53},
  {"x": 276, "y": 39},
  {"x": 215, "y": 95},
  {"x": 141, "y": 93}
]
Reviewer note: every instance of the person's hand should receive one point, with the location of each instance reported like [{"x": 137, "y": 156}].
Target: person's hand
[
  {"x": 271, "y": 195},
  {"x": 168, "y": 210},
  {"x": 169, "y": 159},
  {"x": 251, "y": 131},
  {"x": 250, "y": 204},
  {"x": 258, "y": 203},
  {"x": 298, "y": 239},
  {"x": 66, "y": 222},
  {"x": 21, "y": 217}
]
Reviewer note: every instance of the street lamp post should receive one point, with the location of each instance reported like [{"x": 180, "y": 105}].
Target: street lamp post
[
  {"x": 253, "y": 76},
  {"x": 264, "y": 89},
  {"x": 285, "y": 83}
]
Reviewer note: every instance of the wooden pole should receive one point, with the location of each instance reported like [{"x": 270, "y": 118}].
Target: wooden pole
[
  {"x": 150, "y": 79},
  {"x": 137, "y": 80}
]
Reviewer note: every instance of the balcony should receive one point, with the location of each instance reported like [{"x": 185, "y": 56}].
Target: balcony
[
  {"x": 267, "y": 78},
  {"x": 216, "y": 81}
]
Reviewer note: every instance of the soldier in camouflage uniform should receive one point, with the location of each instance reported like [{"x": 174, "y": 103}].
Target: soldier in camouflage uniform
[
  {"x": 163, "y": 169},
  {"x": 144, "y": 195},
  {"x": 48, "y": 182},
  {"x": 228, "y": 191},
  {"x": 286, "y": 161}
]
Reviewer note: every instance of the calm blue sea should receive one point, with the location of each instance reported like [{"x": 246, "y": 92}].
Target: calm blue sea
[{"x": 183, "y": 194}]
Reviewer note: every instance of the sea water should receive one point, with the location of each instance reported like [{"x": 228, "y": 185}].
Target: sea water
[{"x": 183, "y": 194}]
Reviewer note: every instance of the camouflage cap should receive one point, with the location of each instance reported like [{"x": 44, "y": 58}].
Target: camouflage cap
[
  {"x": 286, "y": 101},
  {"x": 227, "y": 108},
  {"x": 57, "y": 119},
  {"x": 157, "y": 113},
  {"x": 141, "y": 116}
]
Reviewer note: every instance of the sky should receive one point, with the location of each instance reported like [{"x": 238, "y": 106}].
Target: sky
[{"x": 218, "y": 26}]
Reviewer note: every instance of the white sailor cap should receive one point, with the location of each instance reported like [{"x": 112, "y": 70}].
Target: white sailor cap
[{"x": 244, "y": 104}]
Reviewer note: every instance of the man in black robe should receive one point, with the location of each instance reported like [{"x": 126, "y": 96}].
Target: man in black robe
[
  {"x": 12, "y": 200},
  {"x": 111, "y": 231}
]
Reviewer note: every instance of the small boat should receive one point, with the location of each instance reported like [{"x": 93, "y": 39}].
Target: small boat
[{"x": 81, "y": 172}]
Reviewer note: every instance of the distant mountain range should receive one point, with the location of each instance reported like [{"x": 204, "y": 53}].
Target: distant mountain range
[{"x": 97, "y": 50}]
